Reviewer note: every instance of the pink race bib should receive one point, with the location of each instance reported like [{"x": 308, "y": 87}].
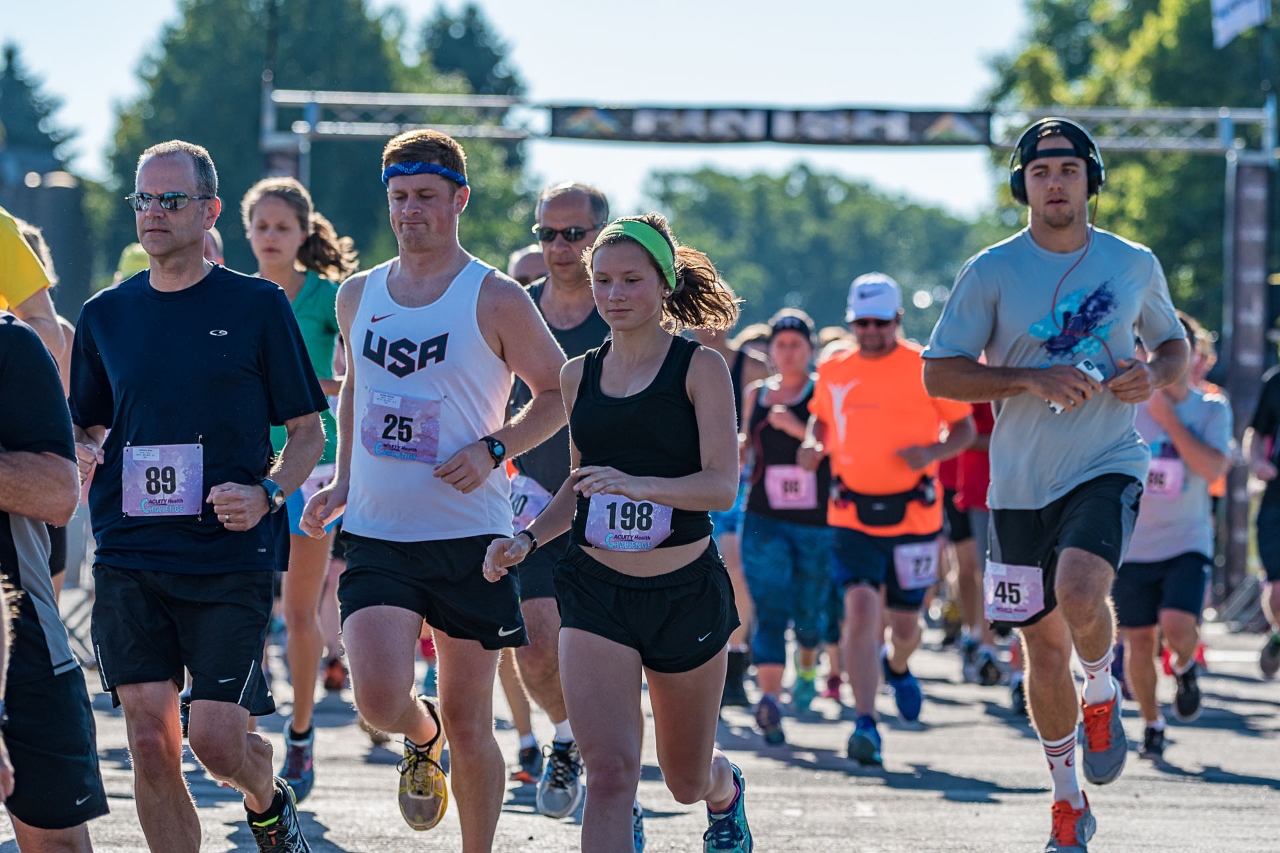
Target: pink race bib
[
  {"x": 1012, "y": 593},
  {"x": 397, "y": 427},
  {"x": 167, "y": 479},
  {"x": 916, "y": 564},
  {"x": 528, "y": 499},
  {"x": 1164, "y": 478},
  {"x": 790, "y": 487},
  {"x": 617, "y": 523}
]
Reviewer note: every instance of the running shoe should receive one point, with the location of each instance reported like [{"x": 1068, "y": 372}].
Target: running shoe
[
  {"x": 1105, "y": 745},
  {"x": 424, "y": 794},
  {"x": 727, "y": 832},
  {"x": 735, "y": 694},
  {"x": 864, "y": 743},
  {"x": 530, "y": 762},
  {"x": 1072, "y": 828},
  {"x": 1018, "y": 696},
  {"x": 1269, "y": 659},
  {"x": 803, "y": 692},
  {"x": 969, "y": 656},
  {"x": 988, "y": 668},
  {"x": 376, "y": 736},
  {"x": 1186, "y": 694},
  {"x": 335, "y": 675},
  {"x": 832, "y": 690},
  {"x": 637, "y": 826},
  {"x": 184, "y": 710},
  {"x": 280, "y": 834},
  {"x": 299, "y": 771},
  {"x": 906, "y": 691},
  {"x": 952, "y": 624},
  {"x": 1152, "y": 744},
  {"x": 560, "y": 791},
  {"x": 769, "y": 720}
]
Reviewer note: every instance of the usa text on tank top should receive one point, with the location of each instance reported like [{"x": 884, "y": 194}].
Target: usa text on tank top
[{"x": 426, "y": 384}]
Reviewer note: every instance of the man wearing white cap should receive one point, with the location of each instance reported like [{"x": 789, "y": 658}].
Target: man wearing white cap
[{"x": 885, "y": 437}]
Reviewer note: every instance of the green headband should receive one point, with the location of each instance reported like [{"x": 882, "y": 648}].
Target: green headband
[{"x": 648, "y": 237}]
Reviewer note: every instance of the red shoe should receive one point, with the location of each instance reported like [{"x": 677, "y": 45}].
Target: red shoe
[
  {"x": 335, "y": 675},
  {"x": 1072, "y": 828},
  {"x": 1166, "y": 660},
  {"x": 832, "y": 690}
]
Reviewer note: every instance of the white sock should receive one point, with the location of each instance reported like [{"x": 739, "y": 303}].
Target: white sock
[
  {"x": 564, "y": 734},
  {"x": 1099, "y": 687},
  {"x": 528, "y": 740},
  {"x": 1157, "y": 723},
  {"x": 1182, "y": 670},
  {"x": 1062, "y": 767}
]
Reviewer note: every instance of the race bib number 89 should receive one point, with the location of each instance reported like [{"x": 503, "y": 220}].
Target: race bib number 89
[
  {"x": 1012, "y": 593},
  {"x": 167, "y": 479},
  {"x": 398, "y": 427},
  {"x": 617, "y": 523}
]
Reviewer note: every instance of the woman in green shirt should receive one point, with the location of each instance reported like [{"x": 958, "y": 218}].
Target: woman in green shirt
[{"x": 299, "y": 250}]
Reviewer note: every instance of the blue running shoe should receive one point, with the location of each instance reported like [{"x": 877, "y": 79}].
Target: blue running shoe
[
  {"x": 803, "y": 692},
  {"x": 769, "y": 720},
  {"x": 864, "y": 743},
  {"x": 299, "y": 771},
  {"x": 637, "y": 826},
  {"x": 906, "y": 691},
  {"x": 728, "y": 831}
]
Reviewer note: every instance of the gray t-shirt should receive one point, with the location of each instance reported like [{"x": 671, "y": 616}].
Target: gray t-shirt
[
  {"x": 1003, "y": 306},
  {"x": 1175, "y": 517}
]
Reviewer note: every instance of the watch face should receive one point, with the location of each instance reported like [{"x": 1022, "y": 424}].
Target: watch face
[{"x": 499, "y": 449}]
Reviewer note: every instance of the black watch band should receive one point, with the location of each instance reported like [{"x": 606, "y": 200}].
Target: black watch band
[{"x": 533, "y": 540}]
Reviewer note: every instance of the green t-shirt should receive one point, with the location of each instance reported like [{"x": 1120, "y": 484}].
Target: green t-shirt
[{"x": 314, "y": 307}]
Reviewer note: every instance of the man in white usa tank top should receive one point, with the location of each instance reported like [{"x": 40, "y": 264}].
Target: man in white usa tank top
[{"x": 433, "y": 338}]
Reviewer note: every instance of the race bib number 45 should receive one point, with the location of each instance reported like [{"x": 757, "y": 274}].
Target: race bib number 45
[
  {"x": 398, "y": 427},
  {"x": 617, "y": 523},
  {"x": 164, "y": 480},
  {"x": 1012, "y": 593},
  {"x": 916, "y": 564}
]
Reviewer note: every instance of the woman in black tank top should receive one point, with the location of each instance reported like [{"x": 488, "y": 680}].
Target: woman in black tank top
[{"x": 642, "y": 590}]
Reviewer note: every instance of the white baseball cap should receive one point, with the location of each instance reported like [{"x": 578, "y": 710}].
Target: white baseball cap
[{"x": 874, "y": 295}]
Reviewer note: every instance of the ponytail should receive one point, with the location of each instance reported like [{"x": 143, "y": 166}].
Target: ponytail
[{"x": 327, "y": 254}]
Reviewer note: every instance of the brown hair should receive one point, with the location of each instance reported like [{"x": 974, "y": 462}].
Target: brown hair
[
  {"x": 1199, "y": 338},
  {"x": 323, "y": 252},
  {"x": 701, "y": 299},
  {"x": 35, "y": 239},
  {"x": 426, "y": 146}
]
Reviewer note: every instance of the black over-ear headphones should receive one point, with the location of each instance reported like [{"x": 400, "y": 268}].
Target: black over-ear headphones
[{"x": 1082, "y": 146}]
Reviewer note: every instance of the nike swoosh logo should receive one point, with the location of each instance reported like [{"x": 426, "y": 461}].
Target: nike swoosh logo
[
  {"x": 225, "y": 680},
  {"x": 83, "y": 800},
  {"x": 704, "y": 636},
  {"x": 503, "y": 632},
  {"x": 380, "y": 319}
]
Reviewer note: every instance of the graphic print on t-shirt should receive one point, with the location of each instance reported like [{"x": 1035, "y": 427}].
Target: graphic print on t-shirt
[{"x": 1081, "y": 321}]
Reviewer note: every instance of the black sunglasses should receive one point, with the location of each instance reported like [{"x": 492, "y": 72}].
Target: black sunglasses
[
  {"x": 169, "y": 201},
  {"x": 572, "y": 234},
  {"x": 867, "y": 322}
]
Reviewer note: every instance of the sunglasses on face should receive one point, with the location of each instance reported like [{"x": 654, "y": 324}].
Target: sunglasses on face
[
  {"x": 168, "y": 201},
  {"x": 867, "y": 323},
  {"x": 572, "y": 234}
]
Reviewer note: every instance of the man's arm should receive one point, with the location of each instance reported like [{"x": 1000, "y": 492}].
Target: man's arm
[
  {"x": 6, "y": 766},
  {"x": 42, "y": 486},
  {"x": 1140, "y": 379},
  {"x": 962, "y": 378},
  {"x": 1204, "y": 459},
  {"x": 37, "y": 312}
]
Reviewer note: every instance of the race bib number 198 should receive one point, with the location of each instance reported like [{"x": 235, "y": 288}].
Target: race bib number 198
[
  {"x": 398, "y": 427},
  {"x": 167, "y": 479},
  {"x": 1012, "y": 593},
  {"x": 617, "y": 523}
]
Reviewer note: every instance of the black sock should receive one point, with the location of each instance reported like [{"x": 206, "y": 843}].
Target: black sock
[
  {"x": 274, "y": 810},
  {"x": 294, "y": 734}
]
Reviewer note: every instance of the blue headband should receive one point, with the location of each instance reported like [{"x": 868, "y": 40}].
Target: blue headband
[{"x": 414, "y": 167}]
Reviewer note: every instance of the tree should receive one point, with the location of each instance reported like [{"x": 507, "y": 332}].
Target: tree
[
  {"x": 1144, "y": 53},
  {"x": 800, "y": 238},
  {"x": 29, "y": 136},
  {"x": 468, "y": 45}
]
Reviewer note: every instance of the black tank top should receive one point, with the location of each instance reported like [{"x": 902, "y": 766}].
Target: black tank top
[
  {"x": 775, "y": 447},
  {"x": 735, "y": 376},
  {"x": 548, "y": 463},
  {"x": 650, "y": 434}
]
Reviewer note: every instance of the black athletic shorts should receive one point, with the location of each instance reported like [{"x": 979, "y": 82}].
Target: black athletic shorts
[
  {"x": 1142, "y": 590},
  {"x": 958, "y": 528},
  {"x": 442, "y": 580},
  {"x": 147, "y": 626},
  {"x": 339, "y": 550},
  {"x": 1268, "y": 532},
  {"x": 53, "y": 747},
  {"x": 1097, "y": 516},
  {"x": 536, "y": 570},
  {"x": 57, "y": 549},
  {"x": 676, "y": 621}
]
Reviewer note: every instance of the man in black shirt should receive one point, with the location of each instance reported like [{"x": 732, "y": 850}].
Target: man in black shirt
[
  {"x": 1263, "y": 454},
  {"x": 188, "y": 365},
  {"x": 47, "y": 725}
]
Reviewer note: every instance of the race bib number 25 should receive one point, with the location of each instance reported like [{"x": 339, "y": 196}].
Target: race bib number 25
[{"x": 399, "y": 427}]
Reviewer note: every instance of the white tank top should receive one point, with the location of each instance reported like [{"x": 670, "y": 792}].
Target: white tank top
[{"x": 426, "y": 384}]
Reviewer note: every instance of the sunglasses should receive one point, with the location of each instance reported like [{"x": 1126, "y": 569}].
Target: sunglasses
[
  {"x": 572, "y": 234},
  {"x": 867, "y": 323},
  {"x": 168, "y": 201}
]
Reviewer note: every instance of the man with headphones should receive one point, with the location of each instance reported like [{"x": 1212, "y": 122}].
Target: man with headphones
[{"x": 1054, "y": 310}]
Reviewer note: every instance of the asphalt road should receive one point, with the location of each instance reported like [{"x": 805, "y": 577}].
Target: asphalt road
[{"x": 970, "y": 778}]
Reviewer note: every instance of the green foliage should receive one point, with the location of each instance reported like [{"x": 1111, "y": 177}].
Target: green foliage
[
  {"x": 26, "y": 114},
  {"x": 467, "y": 44},
  {"x": 800, "y": 238}
]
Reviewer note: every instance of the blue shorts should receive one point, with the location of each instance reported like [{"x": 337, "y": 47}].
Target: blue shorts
[
  {"x": 788, "y": 572},
  {"x": 294, "y": 505},
  {"x": 729, "y": 522},
  {"x": 1142, "y": 590},
  {"x": 857, "y": 558}
]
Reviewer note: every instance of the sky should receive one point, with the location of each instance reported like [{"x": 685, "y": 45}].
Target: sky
[{"x": 802, "y": 53}]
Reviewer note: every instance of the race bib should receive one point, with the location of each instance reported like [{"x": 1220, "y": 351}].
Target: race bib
[
  {"x": 321, "y": 476},
  {"x": 528, "y": 499},
  {"x": 397, "y": 427},
  {"x": 790, "y": 487},
  {"x": 167, "y": 479},
  {"x": 1164, "y": 478},
  {"x": 916, "y": 564},
  {"x": 617, "y": 523},
  {"x": 1012, "y": 593}
]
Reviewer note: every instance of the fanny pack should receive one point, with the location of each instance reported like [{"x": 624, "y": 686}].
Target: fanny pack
[{"x": 883, "y": 510}]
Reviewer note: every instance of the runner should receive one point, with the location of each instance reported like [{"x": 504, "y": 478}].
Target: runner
[
  {"x": 1165, "y": 573},
  {"x": 744, "y": 368},
  {"x": 884, "y": 434},
  {"x": 527, "y": 265},
  {"x": 786, "y": 544},
  {"x": 1053, "y": 309},
  {"x": 433, "y": 338},
  {"x": 1262, "y": 450},
  {"x": 54, "y": 786},
  {"x": 652, "y": 450},
  {"x": 297, "y": 248},
  {"x": 979, "y": 638},
  {"x": 213, "y": 246},
  {"x": 569, "y": 218},
  {"x": 24, "y": 289},
  {"x": 185, "y": 506}
]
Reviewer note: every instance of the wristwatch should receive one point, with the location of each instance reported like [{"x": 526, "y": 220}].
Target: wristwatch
[
  {"x": 497, "y": 449},
  {"x": 275, "y": 494},
  {"x": 533, "y": 541}
]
